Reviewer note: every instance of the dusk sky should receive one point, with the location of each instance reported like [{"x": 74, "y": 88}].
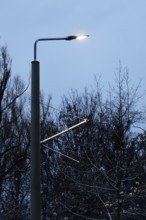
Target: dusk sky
[{"x": 117, "y": 30}]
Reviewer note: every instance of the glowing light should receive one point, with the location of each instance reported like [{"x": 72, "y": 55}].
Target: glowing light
[
  {"x": 81, "y": 37},
  {"x": 76, "y": 37}
]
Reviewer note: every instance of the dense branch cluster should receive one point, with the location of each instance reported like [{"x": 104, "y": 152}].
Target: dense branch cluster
[{"x": 109, "y": 182}]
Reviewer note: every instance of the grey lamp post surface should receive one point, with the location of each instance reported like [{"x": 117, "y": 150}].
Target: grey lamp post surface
[{"x": 35, "y": 128}]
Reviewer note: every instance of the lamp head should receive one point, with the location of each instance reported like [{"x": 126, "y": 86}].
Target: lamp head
[{"x": 76, "y": 37}]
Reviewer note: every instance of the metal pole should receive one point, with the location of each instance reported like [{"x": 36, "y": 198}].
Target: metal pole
[
  {"x": 35, "y": 130},
  {"x": 35, "y": 142}
]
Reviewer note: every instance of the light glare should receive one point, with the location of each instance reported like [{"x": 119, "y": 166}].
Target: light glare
[{"x": 81, "y": 37}]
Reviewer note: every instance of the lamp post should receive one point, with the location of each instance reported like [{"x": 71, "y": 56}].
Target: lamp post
[{"x": 35, "y": 128}]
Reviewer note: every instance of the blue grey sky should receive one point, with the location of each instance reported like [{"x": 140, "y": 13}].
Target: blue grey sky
[{"x": 117, "y": 30}]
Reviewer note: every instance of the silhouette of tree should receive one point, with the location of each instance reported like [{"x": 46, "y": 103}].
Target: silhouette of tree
[
  {"x": 99, "y": 187},
  {"x": 14, "y": 142}
]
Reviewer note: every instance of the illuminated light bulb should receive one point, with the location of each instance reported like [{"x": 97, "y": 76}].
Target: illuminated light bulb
[
  {"x": 81, "y": 37},
  {"x": 76, "y": 37}
]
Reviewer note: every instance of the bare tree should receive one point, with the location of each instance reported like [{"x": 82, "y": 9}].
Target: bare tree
[
  {"x": 14, "y": 141},
  {"x": 100, "y": 186}
]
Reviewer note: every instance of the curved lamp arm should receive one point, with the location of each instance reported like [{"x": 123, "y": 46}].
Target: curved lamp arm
[{"x": 68, "y": 38}]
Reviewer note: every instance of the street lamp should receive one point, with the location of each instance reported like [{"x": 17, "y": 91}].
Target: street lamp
[
  {"x": 68, "y": 38},
  {"x": 35, "y": 128}
]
